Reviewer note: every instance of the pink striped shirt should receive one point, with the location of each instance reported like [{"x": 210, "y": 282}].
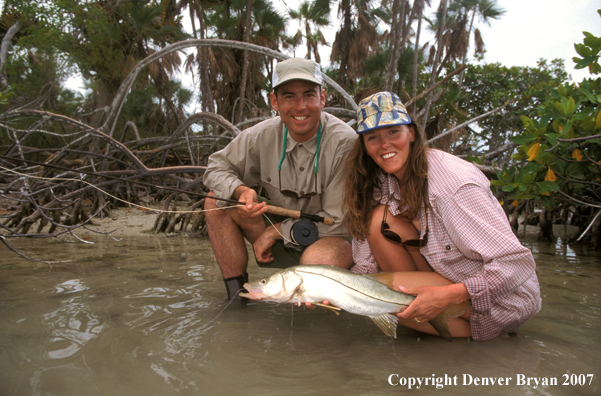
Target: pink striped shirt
[{"x": 470, "y": 242}]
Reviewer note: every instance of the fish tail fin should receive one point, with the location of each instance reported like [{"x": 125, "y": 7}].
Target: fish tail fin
[
  {"x": 385, "y": 278},
  {"x": 440, "y": 322},
  {"x": 387, "y": 323}
]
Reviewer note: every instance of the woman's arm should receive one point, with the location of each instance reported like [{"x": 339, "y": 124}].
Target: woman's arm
[{"x": 480, "y": 229}]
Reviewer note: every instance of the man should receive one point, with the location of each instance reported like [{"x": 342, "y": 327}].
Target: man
[{"x": 298, "y": 159}]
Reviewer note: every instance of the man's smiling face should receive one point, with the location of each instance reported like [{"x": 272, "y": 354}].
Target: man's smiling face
[{"x": 299, "y": 103}]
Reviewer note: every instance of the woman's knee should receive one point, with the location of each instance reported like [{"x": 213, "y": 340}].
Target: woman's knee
[{"x": 375, "y": 222}]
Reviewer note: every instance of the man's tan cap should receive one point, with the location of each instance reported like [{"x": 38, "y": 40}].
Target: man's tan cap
[{"x": 297, "y": 69}]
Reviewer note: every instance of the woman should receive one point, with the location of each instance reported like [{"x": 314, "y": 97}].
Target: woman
[{"x": 431, "y": 218}]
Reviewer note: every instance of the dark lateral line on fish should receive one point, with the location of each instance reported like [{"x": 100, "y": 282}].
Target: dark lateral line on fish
[
  {"x": 295, "y": 214},
  {"x": 353, "y": 288}
]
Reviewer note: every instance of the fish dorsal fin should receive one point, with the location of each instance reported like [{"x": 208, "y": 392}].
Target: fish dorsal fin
[
  {"x": 387, "y": 323},
  {"x": 385, "y": 278}
]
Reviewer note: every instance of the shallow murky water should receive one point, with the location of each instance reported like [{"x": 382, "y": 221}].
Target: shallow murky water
[{"x": 147, "y": 316}]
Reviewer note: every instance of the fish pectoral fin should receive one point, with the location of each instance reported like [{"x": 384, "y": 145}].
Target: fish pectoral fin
[
  {"x": 440, "y": 322},
  {"x": 328, "y": 307},
  {"x": 442, "y": 327},
  {"x": 455, "y": 310},
  {"x": 387, "y": 323}
]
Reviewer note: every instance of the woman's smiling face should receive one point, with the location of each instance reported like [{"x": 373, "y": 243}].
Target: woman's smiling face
[{"x": 390, "y": 147}]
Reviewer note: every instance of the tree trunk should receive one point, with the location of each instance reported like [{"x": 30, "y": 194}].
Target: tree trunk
[
  {"x": 240, "y": 110},
  {"x": 463, "y": 62},
  {"x": 4, "y": 48},
  {"x": 345, "y": 34},
  {"x": 515, "y": 217},
  {"x": 546, "y": 226},
  {"x": 420, "y": 4},
  {"x": 439, "y": 49},
  {"x": 396, "y": 30},
  {"x": 102, "y": 99},
  {"x": 408, "y": 15},
  {"x": 205, "y": 79}
]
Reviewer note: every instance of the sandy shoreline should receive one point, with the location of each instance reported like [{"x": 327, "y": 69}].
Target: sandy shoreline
[
  {"x": 138, "y": 222},
  {"x": 126, "y": 222}
]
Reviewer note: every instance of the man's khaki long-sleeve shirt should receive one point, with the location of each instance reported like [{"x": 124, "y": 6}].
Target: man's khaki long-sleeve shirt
[{"x": 252, "y": 158}]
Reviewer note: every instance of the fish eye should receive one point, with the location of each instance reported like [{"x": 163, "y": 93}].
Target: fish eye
[{"x": 263, "y": 281}]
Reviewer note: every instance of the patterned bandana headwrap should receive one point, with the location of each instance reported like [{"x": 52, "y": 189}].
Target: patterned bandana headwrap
[{"x": 381, "y": 110}]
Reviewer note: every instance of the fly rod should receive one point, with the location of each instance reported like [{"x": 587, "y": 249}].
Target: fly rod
[{"x": 295, "y": 214}]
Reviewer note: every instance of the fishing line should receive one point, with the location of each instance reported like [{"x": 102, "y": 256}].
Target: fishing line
[
  {"x": 224, "y": 308},
  {"x": 136, "y": 205},
  {"x": 112, "y": 196}
]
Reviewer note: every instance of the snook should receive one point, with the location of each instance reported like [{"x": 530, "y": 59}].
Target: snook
[{"x": 358, "y": 294}]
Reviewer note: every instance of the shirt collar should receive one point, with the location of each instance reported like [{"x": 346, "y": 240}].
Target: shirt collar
[{"x": 310, "y": 145}]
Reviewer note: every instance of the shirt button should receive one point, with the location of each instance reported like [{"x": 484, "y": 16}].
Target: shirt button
[
  {"x": 300, "y": 145},
  {"x": 302, "y": 168},
  {"x": 269, "y": 179},
  {"x": 448, "y": 247},
  {"x": 302, "y": 192}
]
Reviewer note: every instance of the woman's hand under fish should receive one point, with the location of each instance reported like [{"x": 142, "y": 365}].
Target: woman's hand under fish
[
  {"x": 432, "y": 300},
  {"x": 427, "y": 303}
]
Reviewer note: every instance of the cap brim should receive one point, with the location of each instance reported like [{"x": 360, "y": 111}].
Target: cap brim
[
  {"x": 297, "y": 76},
  {"x": 377, "y": 121}
]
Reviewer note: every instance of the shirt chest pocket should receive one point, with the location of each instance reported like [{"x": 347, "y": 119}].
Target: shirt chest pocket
[
  {"x": 441, "y": 248},
  {"x": 448, "y": 251},
  {"x": 270, "y": 179}
]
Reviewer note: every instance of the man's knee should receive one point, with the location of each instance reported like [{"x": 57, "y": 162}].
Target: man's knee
[
  {"x": 214, "y": 213},
  {"x": 329, "y": 250},
  {"x": 210, "y": 205}
]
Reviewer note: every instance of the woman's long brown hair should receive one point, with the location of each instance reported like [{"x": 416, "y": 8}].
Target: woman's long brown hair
[{"x": 363, "y": 180}]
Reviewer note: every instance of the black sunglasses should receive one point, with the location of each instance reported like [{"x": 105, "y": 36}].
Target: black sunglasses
[
  {"x": 395, "y": 238},
  {"x": 294, "y": 194}
]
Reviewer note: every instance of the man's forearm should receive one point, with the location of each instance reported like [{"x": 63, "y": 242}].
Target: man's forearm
[{"x": 239, "y": 191}]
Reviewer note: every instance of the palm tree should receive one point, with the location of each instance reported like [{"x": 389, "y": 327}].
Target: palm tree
[
  {"x": 418, "y": 8},
  {"x": 244, "y": 73},
  {"x": 196, "y": 10},
  {"x": 458, "y": 27},
  {"x": 442, "y": 11},
  {"x": 135, "y": 28},
  {"x": 486, "y": 10},
  {"x": 454, "y": 31},
  {"x": 398, "y": 27},
  {"x": 316, "y": 15},
  {"x": 356, "y": 41},
  {"x": 227, "y": 20}
]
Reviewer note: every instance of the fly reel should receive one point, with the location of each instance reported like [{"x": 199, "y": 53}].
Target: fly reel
[{"x": 304, "y": 232}]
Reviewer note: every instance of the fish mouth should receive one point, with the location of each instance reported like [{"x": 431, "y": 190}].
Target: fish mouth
[{"x": 250, "y": 295}]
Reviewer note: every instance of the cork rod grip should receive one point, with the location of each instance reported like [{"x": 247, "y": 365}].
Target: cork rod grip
[{"x": 295, "y": 214}]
